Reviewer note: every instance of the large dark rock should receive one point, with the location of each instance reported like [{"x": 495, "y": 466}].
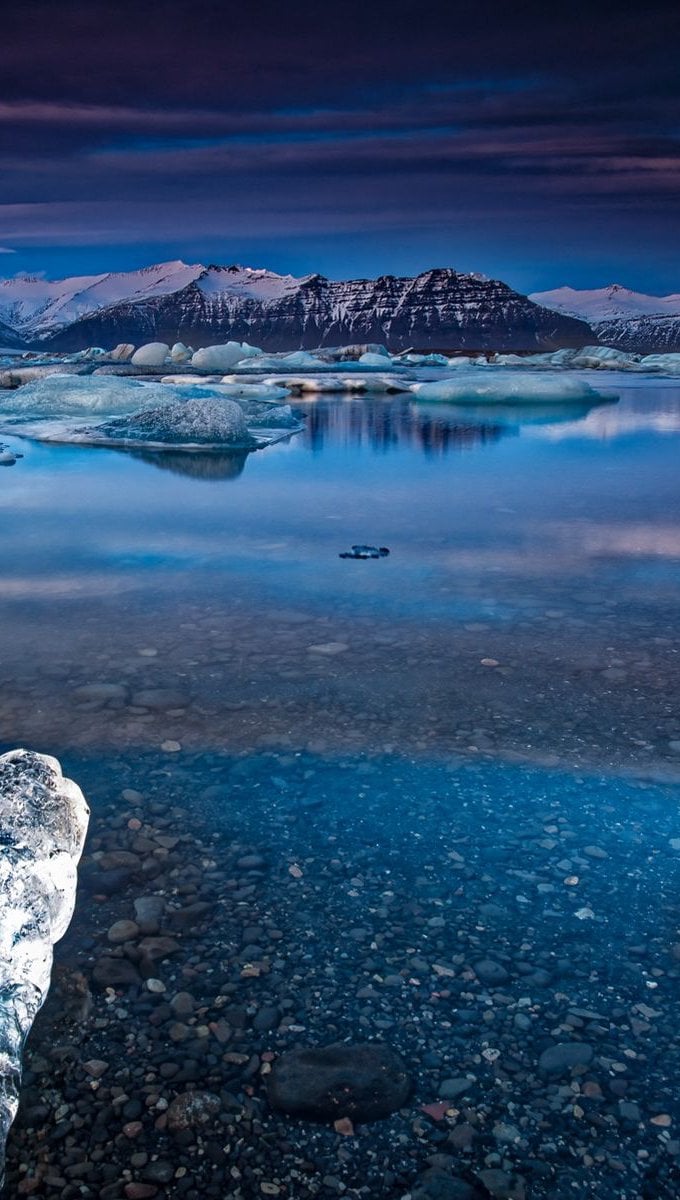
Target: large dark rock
[{"x": 366, "y": 1081}]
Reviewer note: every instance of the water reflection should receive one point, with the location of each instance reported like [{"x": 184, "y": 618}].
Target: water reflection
[
  {"x": 196, "y": 465},
  {"x": 383, "y": 424}
]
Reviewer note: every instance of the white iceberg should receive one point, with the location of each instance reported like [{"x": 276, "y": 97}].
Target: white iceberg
[
  {"x": 16, "y": 377},
  {"x": 498, "y": 385},
  {"x": 669, "y": 363},
  {"x": 43, "y": 822},
  {"x": 223, "y": 357},
  {"x": 152, "y": 354},
  {"x": 373, "y": 359},
  {"x": 301, "y": 358},
  {"x": 375, "y": 383},
  {"x": 604, "y": 358},
  {"x": 302, "y": 384},
  {"x": 91, "y": 354},
  {"x": 180, "y": 353}
]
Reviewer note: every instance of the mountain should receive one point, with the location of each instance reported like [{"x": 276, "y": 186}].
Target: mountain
[
  {"x": 439, "y": 309},
  {"x": 620, "y": 317},
  {"x": 38, "y": 308}
]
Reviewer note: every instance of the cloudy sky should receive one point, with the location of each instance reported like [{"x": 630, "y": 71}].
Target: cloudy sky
[{"x": 534, "y": 142}]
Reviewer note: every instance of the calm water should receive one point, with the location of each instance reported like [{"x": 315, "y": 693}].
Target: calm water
[
  {"x": 546, "y": 541},
  {"x": 471, "y": 746}
]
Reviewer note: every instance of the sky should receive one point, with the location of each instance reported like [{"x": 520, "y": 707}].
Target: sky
[{"x": 535, "y": 143}]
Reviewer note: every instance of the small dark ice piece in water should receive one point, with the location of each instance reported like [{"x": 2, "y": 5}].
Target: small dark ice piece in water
[{"x": 365, "y": 552}]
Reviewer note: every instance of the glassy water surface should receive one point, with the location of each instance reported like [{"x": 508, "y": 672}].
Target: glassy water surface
[
  {"x": 467, "y": 750},
  {"x": 528, "y": 605}
]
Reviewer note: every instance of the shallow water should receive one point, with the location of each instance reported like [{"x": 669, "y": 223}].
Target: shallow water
[
  {"x": 542, "y": 540},
  {"x": 462, "y": 746}
]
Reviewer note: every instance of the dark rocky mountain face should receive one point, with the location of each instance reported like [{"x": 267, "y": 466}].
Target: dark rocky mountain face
[
  {"x": 8, "y": 337},
  {"x": 641, "y": 335},
  {"x": 440, "y": 309}
]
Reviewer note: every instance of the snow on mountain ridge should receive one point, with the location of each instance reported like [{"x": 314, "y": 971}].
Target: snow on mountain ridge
[
  {"x": 609, "y": 303},
  {"x": 34, "y": 306},
  {"x": 206, "y": 304}
]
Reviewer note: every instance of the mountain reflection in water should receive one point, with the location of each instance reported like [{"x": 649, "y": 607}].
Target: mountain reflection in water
[
  {"x": 386, "y": 423},
  {"x": 380, "y": 424}
]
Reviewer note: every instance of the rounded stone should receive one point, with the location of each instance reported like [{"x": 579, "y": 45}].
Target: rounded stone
[
  {"x": 561, "y": 1057},
  {"x": 490, "y": 972},
  {"x": 123, "y": 931},
  {"x": 190, "y": 1110},
  {"x": 365, "y": 1081}
]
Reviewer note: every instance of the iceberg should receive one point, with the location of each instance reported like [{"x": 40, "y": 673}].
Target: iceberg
[
  {"x": 371, "y": 359},
  {"x": 328, "y": 384},
  {"x": 65, "y": 395},
  {"x": 604, "y": 358},
  {"x": 16, "y": 377},
  {"x": 223, "y": 357},
  {"x": 186, "y": 423},
  {"x": 669, "y": 363},
  {"x": 498, "y": 385},
  {"x": 152, "y": 354},
  {"x": 189, "y": 413},
  {"x": 43, "y": 822},
  {"x": 122, "y": 352}
]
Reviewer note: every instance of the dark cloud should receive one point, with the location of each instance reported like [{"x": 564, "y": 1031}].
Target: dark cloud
[{"x": 469, "y": 125}]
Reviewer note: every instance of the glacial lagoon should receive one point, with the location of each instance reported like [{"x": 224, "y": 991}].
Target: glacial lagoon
[{"x": 429, "y": 799}]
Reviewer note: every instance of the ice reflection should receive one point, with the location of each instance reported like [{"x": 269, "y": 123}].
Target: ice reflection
[
  {"x": 196, "y": 465},
  {"x": 386, "y": 423}
]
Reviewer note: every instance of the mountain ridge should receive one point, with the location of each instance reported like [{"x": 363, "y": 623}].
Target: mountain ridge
[
  {"x": 436, "y": 309},
  {"x": 621, "y": 317}
]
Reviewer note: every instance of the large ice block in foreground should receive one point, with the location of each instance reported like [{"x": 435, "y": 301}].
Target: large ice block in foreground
[
  {"x": 500, "y": 386},
  {"x": 79, "y": 395},
  {"x": 43, "y": 822},
  {"x": 188, "y": 423}
]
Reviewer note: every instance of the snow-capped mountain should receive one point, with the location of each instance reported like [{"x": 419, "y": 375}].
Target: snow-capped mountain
[
  {"x": 35, "y": 307},
  {"x": 620, "y": 317},
  {"x": 438, "y": 309}
]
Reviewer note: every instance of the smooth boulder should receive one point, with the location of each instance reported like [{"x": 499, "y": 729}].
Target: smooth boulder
[{"x": 365, "y": 1081}]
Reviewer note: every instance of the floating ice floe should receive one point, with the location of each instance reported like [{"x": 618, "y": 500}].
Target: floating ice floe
[
  {"x": 43, "y": 822},
  {"x": 186, "y": 423},
  {"x": 59, "y": 395},
  {"x": 7, "y": 456},
  {"x": 16, "y": 377},
  {"x": 372, "y": 358},
  {"x": 669, "y": 364},
  {"x": 304, "y": 384},
  {"x": 501, "y": 386},
  {"x": 148, "y": 413}
]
